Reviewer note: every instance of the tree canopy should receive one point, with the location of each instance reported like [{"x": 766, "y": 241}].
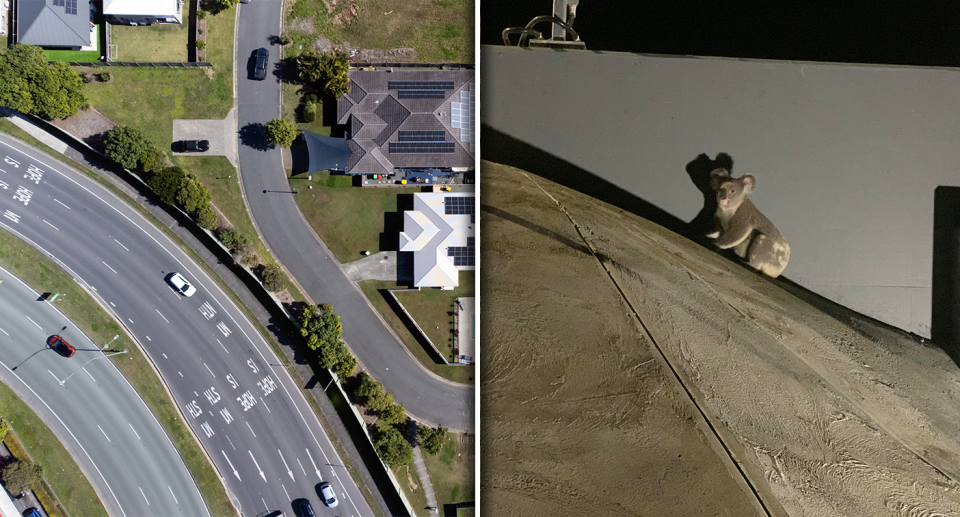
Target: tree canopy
[
  {"x": 192, "y": 194},
  {"x": 18, "y": 477},
  {"x": 281, "y": 132},
  {"x": 29, "y": 84},
  {"x": 166, "y": 183},
  {"x": 394, "y": 449},
  {"x": 126, "y": 145},
  {"x": 394, "y": 414},
  {"x": 431, "y": 439},
  {"x": 153, "y": 159}
]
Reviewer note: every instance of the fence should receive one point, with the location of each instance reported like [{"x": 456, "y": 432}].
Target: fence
[
  {"x": 130, "y": 63},
  {"x": 446, "y": 66}
]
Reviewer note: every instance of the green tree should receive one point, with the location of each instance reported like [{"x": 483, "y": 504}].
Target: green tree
[
  {"x": 30, "y": 85},
  {"x": 338, "y": 86},
  {"x": 310, "y": 66},
  {"x": 431, "y": 439},
  {"x": 281, "y": 132},
  {"x": 166, "y": 183},
  {"x": 222, "y": 5},
  {"x": 320, "y": 329},
  {"x": 233, "y": 239},
  {"x": 273, "y": 278},
  {"x": 309, "y": 112},
  {"x": 19, "y": 476},
  {"x": 394, "y": 414},
  {"x": 379, "y": 401},
  {"x": 367, "y": 385},
  {"x": 394, "y": 449},
  {"x": 153, "y": 159},
  {"x": 345, "y": 366},
  {"x": 125, "y": 145},
  {"x": 206, "y": 217},
  {"x": 192, "y": 194},
  {"x": 14, "y": 87},
  {"x": 58, "y": 92},
  {"x": 201, "y": 14},
  {"x": 201, "y": 44}
]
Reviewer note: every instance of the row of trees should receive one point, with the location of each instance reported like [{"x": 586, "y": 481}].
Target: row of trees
[
  {"x": 18, "y": 476},
  {"x": 322, "y": 330},
  {"x": 29, "y": 84}
]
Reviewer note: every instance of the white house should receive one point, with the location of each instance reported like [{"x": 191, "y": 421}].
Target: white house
[
  {"x": 440, "y": 232},
  {"x": 143, "y": 12}
]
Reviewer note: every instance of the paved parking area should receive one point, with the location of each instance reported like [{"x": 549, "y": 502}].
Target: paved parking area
[{"x": 222, "y": 135}]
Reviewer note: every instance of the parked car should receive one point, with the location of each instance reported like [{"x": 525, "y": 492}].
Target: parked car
[
  {"x": 261, "y": 55},
  {"x": 31, "y": 512},
  {"x": 192, "y": 146},
  {"x": 326, "y": 493},
  {"x": 180, "y": 284},
  {"x": 61, "y": 346}
]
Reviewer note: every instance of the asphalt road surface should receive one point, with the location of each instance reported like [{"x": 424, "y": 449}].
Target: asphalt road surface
[
  {"x": 97, "y": 415},
  {"x": 247, "y": 411},
  {"x": 428, "y": 398}
]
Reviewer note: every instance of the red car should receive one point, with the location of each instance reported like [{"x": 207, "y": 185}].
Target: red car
[{"x": 62, "y": 347}]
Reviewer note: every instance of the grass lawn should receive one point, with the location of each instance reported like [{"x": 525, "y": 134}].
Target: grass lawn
[
  {"x": 434, "y": 308},
  {"x": 161, "y": 43},
  {"x": 60, "y": 471},
  {"x": 440, "y": 30},
  {"x": 76, "y": 56},
  {"x": 291, "y": 102},
  {"x": 348, "y": 220},
  {"x": 43, "y": 275},
  {"x": 412, "y": 488},
  {"x": 452, "y": 472},
  {"x": 371, "y": 288}
]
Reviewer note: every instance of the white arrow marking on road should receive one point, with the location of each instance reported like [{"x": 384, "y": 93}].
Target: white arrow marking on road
[
  {"x": 314, "y": 464},
  {"x": 264, "y": 476},
  {"x": 235, "y": 473},
  {"x": 286, "y": 466}
]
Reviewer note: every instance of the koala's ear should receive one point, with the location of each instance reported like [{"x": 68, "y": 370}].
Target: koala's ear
[
  {"x": 749, "y": 183},
  {"x": 717, "y": 177}
]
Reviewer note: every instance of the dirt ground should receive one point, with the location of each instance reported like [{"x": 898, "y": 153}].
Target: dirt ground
[
  {"x": 580, "y": 415},
  {"x": 88, "y": 125}
]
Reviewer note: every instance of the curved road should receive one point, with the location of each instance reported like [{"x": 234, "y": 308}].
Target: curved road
[
  {"x": 428, "y": 398},
  {"x": 97, "y": 415},
  {"x": 248, "y": 413}
]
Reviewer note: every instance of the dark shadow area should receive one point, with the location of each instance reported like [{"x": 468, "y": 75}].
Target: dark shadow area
[
  {"x": 450, "y": 510},
  {"x": 300, "y": 157},
  {"x": 191, "y": 13},
  {"x": 905, "y": 33},
  {"x": 411, "y": 327},
  {"x": 405, "y": 268},
  {"x": 507, "y": 216},
  {"x": 251, "y": 65},
  {"x": 393, "y": 223},
  {"x": 945, "y": 301},
  {"x": 255, "y": 135},
  {"x": 699, "y": 171}
]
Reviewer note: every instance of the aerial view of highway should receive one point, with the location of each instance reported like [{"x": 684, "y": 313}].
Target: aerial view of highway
[{"x": 244, "y": 429}]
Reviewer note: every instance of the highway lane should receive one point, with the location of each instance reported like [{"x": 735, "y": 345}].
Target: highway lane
[
  {"x": 247, "y": 412},
  {"x": 97, "y": 415},
  {"x": 293, "y": 241}
]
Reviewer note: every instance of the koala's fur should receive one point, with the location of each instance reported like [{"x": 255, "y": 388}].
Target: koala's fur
[{"x": 739, "y": 225}]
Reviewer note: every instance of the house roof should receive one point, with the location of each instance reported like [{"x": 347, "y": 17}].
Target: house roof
[
  {"x": 429, "y": 232},
  {"x": 384, "y": 108},
  {"x": 45, "y": 23},
  {"x": 140, "y": 7}
]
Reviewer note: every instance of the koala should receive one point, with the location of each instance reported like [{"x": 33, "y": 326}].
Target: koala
[{"x": 739, "y": 225}]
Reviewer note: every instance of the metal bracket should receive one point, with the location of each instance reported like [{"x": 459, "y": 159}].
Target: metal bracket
[{"x": 564, "y": 13}]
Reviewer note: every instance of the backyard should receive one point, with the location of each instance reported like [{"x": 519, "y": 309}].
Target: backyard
[
  {"x": 163, "y": 42},
  {"x": 433, "y": 310},
  {"x": 452, "y": 472}
]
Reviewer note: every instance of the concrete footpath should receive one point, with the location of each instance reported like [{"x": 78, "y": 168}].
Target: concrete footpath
[{"x": 79, "y": 153}]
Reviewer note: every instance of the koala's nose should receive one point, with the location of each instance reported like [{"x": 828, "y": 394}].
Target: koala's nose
[{"x": 723, "y": 193}]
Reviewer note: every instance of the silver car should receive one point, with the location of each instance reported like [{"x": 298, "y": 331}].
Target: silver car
[
  {"x": 326, "y": 493},
  {"x": 181, "y": 285}
]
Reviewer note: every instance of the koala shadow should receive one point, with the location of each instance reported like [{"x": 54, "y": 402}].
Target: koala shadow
[{"x": 699, "y": 171}]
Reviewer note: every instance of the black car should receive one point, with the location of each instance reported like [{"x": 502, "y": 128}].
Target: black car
[
  {"x": 192, "y": 146},
  {"x": 306, "y": 510},
  {"x": 260, "y": 68}
]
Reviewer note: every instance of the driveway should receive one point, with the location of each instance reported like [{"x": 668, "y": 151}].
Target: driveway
[{"x": 222, "y": 135}]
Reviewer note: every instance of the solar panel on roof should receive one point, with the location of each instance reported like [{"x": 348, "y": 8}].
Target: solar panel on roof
[
  {"x": 421, "y": 148},
  {"x": 421, "y": 94},
  {"x": 422, "y": 136},
  {"x": 432, "y": 85},
  {"x": 458, "y": 205}
]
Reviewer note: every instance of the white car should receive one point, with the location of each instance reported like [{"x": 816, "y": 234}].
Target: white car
[
  {"x": 181, "y": 285},
  {"x": 326, "y": 493}
]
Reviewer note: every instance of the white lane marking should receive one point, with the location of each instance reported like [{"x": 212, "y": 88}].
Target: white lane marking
[
  {"x": 144, "y": 496},
  {"x": 108, "y": 267},
  {"x": 88, "y": 374},
  {"x": 52, "y": 226},
  {"x": 34, "y": 322},
  {"x": 286, "y": 466},
  {"x": 174, "y": 497},
  {"x": 134, "y": 431},
  {"x": 162, "y": 316},
  {"x": 285, "y": 491},
  {"x": 121, "y": 244},
  {"x": 54, "y": 376},
  {"x": 315, "y": 469},
  {"x": 235, "y": 473},
  {"x": 180, "y": 374},
  {"x": 231, "y": 442},
  {"x": 113, "y": 304},
  {"x": 224, "y": 348},
  {"x": 265, "y": 405},
  {"x": 264, "y": 476},
  {"x": 104, "y": 432},
  {"x": 251, "y": 429},
  {"x": 61, "y": 203},
  {"x": 209, "y": 370},
  {"x": 148, "y": 338},
  {"x": 130, "y": 320},
  {"x": 265, "y": 504},
  {"x": 4, "y": 331},
  {"x": 301, "y": 467},
  {"x": 164, "y": 355}
]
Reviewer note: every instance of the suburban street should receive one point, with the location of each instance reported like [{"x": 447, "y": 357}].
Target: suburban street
[
  {"x": 97, "y": 415},
  {"x": 427, "y": 398},
  {"x": 258, "y": 430}
]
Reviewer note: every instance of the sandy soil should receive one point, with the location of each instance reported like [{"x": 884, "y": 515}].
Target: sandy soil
[
  {"x": 581, "y": 415},
  {"x": 90, "y": 125}
]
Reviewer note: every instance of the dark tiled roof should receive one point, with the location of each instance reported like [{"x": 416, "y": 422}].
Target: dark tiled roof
[
  {"x": 343, "y": 106},
  {"x": 355, "y": 126},
  {"x": 356, "y": 92},
  {"x": 394, "y": 114}
]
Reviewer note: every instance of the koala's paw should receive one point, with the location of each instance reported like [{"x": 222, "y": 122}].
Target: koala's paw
[{"x": 713, "y": 235}]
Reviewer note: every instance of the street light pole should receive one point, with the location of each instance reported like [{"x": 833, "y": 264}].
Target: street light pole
[
  {"x": 88, "y": 362},
  {"x": 111, "y": 341}
]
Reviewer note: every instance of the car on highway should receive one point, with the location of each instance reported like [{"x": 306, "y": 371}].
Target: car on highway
[
  {"x": 326, "y": 493},
  {"x": 261, "y": 55},
  {"x": 191, "y": 146},
  {"x": 180, "y": 284},
  {"x": 61, "y": 346},
  {"x": 306, "y": 510}
]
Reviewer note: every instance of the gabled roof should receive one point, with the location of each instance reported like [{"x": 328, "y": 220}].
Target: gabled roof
[
  {"x": 166, "y": 8},
  {"x": 428, "y": 231},
  {"x": 42, "y": 23}
]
